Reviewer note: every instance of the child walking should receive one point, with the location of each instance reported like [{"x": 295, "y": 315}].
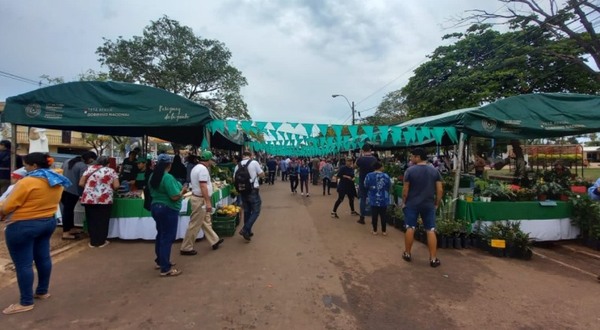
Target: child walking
[{"x": 378, "y": 191}]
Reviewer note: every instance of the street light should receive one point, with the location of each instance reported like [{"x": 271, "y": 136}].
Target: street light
[{"x": 351, "y": 105}]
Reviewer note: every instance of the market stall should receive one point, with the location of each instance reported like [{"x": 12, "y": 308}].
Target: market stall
[
  {"x": 544, "y": 221},
  {"x": 525, "y": 116},
  {"x": 114, "y": 108},
  {"x": 129, "y": 219}
]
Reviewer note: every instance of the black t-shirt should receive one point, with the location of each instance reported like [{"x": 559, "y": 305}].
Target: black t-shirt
[
  {"x": 365, "y": 166},
  {"x": 129, "y": 170},
  {"x": 344, "y": 184}
]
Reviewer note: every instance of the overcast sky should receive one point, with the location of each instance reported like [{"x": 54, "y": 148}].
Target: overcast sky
[{"x": 295, "y": 54}]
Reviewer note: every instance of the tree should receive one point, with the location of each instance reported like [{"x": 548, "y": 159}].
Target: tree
[
  {"x": 570, "y": 22},
  {"x": 484, "y": 65},
  {"x": 172, "y": 57},
  {"x": 97, "y": 141},
  {"x": 92, "y": 75},
  {"x": 391, "y": 111}
]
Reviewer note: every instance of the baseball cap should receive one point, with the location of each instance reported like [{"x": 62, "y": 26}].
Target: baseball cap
[
  {"x": 141, "y": 160},
  {"x": 206, "y": 155},
  {"x": 164, "y": 158}
]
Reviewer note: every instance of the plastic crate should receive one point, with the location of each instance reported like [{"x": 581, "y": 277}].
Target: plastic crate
[{"x": 224, "y": 226}]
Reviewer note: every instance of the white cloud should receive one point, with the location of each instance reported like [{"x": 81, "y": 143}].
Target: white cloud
[{"x": 295, "y": 54}]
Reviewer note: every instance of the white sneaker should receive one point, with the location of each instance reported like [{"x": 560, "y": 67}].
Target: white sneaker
[
  {"x": 307, "y": 195},
  {"x": 302, "y": 194},
  {"x": 105, "y": 244}
]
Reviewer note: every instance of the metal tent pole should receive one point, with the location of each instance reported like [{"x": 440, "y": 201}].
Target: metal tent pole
[{"x": 461, "y": 145}]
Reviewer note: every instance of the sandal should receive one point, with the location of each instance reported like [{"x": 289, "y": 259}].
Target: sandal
[
  {"x": 435, "y": 262},
  {"x": 41, "y": 296},
  {"x": 17, "y": 308},
  {"x": 70, "y": 237},
  {"x": 172, "y": 272},
  {"x": 406, "y": 256}
]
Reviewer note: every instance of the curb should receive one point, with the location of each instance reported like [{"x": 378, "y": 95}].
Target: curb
[
  {"x": 589, "y": 254},
  {"x": 8, "y": 267},
  {"x": 595, "y": 276}
]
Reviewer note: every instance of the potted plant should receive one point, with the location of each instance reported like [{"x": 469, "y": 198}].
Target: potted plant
[
  {"x": 498, "y": 192},
  {"x": 554, "y": 190},
  {"x": 480, "y": 186},
  {"x": 443, "y": 229},
  {"x": 525, "y": 194},
  {"x": 586, "y": 216}
]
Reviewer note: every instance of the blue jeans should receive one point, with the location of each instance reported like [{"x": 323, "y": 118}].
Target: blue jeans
[
  {"x": 252, "y": 205},
  {"x": 166, "y": 220},
  {"x": 365, "y": 210},
  {"x": 28, "y": 241}
]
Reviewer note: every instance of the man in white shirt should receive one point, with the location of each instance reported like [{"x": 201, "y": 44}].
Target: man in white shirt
[
  {"x": 201, "y": 207},
  {"x": 251, "y": 201}
]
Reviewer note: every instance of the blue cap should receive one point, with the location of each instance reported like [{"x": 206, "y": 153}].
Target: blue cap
[{"x": 164, "y": 158}]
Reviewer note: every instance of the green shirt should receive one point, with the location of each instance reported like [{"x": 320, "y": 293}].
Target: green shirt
[{"x": 168, "y": 187}]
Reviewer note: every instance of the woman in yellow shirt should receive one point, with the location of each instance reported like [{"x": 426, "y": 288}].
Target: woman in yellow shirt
[{"x": 29, "y": 212}]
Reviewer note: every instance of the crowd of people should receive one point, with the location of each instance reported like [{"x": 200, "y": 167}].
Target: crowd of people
[{"x": 92, "y": 180}]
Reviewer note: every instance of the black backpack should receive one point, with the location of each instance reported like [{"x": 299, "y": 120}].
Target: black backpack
[{"x": 242, "y": 181}]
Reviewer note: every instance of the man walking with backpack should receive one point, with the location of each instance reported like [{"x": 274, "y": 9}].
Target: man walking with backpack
[{"x": 246, "y": 175}]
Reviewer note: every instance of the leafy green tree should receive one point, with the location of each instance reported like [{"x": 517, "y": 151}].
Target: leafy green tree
[
  {"x": 172, "y": 57},
  {"x": 391, "y": 111},
  {"x": 572, "y": 22},
  {"x": 92, "y": 75},
  {"x": 484, "y": 65},
  {"x": 97, "y": 141}
]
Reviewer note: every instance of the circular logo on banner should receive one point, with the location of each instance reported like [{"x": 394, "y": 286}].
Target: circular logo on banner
[
  {"x": 488, "y": 125},
  {"x": 33, "y": 110}
]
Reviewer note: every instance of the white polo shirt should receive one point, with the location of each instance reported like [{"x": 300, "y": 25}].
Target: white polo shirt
[{"x": 200, "y": 173}]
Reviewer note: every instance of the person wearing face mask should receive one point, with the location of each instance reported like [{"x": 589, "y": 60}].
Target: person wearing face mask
[{"x": 29, "y": 211}]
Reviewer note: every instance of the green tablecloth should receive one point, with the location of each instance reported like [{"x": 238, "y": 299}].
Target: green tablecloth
[
  {"x": 134, "y": 207},
  {"x": 398, "y": 191},
  {"x": 497, "y": 211}
]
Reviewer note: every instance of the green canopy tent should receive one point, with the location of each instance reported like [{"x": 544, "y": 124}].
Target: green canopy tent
[
  {"x": 446, "y": 119},
  {"x": 533, "y": 116},
  {"x": 524, "y": 116},
  {"x": 226, "y": 141},
  {"x": 111, "y": 108}
]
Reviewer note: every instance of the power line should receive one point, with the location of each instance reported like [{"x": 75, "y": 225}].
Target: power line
[
  {"x": 409, "y": 70},
  {"x": 19, "y": 78}
]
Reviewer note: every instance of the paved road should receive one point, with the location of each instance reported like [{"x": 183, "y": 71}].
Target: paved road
[{"x": 304, "y": 270}]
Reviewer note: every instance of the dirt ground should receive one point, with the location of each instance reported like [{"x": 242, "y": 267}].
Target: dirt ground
[
  {"x": 56, "y": 244},
  {"x": 305, "y": 270}
]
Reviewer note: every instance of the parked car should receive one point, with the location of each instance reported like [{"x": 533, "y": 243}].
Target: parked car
[{"x": 59, "y": 159}]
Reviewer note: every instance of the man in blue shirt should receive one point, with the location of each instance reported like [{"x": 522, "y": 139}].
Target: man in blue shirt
[
  {"x": 272, "y": 168},
  {"x": 421, "y": 195}
]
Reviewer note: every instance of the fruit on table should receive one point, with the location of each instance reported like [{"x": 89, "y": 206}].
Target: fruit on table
[{"x": 228, "y": 210}]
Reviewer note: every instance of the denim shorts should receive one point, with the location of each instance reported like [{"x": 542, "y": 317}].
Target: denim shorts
[{"x": 411, "y": 214}]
